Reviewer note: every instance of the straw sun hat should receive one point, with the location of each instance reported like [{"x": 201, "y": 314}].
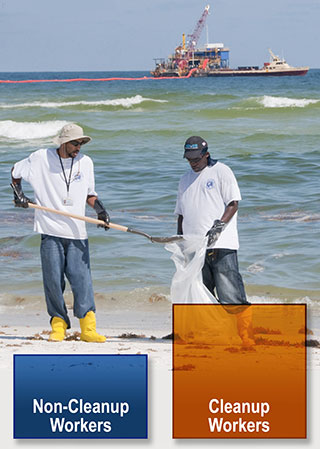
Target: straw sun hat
[{"x": 71, "y": 132}]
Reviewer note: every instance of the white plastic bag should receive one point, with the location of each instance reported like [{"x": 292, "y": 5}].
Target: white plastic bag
[
  {"x": 188, "y": 256},
  {"x": 187, "y": 287}
]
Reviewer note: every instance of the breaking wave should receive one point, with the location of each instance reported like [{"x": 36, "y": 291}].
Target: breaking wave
[
  {"x": 285, "y": 102},
  {"x": 10, "y": 129},
  {"x": 124, "y": 102}
]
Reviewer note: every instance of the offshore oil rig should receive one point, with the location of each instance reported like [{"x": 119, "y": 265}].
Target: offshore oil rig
[{"x": 213, "y": 60}]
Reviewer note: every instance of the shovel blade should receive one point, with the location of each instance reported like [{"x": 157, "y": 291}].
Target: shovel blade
[
  {"x": 166, "y": 239},
  {"x": 156, "y": 239}
]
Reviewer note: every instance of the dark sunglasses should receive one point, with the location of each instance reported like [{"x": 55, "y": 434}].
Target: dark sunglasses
[
  {"x": 75, "y": 143},
  {"x": 194, "y": 160}
]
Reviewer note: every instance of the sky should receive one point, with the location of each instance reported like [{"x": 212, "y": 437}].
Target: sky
[{"x": 125, "y": 35}]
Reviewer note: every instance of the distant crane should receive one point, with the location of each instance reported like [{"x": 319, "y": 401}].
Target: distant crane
[
  {"x": 184, "y": 53},
  {"x": 194, "y": 37},
  {"x": 179, "y": 63}
]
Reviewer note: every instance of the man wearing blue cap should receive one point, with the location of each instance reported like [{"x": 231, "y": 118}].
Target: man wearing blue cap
[{"x": 207, "y": 204}]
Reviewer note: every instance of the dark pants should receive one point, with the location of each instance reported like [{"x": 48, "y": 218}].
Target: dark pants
[{"x": 221, "y": 274}]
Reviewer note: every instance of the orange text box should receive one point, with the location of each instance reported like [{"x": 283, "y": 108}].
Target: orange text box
[{"x": 230, "y": 385}]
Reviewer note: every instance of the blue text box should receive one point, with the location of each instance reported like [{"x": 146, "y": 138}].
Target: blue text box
[{"x": 80, "y": 396}]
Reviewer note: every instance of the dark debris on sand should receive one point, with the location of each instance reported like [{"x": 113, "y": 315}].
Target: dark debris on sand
[
  {"x": 36, "y": 337},
  {"x": 188, "y": 367},
  {"x": 131, "y": 335},
  {"x": 73, "y": 337},
  {"x": 266, "y": 330},
  {"x": 267, "y": 342}
]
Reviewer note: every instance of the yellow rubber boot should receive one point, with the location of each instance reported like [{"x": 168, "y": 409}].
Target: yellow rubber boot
[
  {"x": 88, "y": 329},
  {"x": 59, "y": 327},
  {"x": 244, "y": 324}
]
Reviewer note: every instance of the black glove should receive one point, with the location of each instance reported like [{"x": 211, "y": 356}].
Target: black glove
[
  {"x": 214, "y": 233},
  {"x": 102, "y": 213},
  {"x": 20, "y": 200}
]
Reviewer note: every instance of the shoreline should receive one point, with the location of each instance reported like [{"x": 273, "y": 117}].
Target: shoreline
[
  {"x": 134, "y": 321},
  {"x": 132, "y": 326},
  {"x": 143, "y": 293},
  {"x": 153, "y": 300}
]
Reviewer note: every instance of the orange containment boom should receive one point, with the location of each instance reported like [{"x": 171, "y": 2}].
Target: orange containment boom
[{"x": 72, "y": 80}]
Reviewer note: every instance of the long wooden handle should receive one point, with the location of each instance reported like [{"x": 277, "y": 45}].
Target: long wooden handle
[{"x": 79, "y": 217}]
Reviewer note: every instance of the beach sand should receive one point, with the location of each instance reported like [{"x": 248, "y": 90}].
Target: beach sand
[
  {"x": 131, "y": 327},
  {"x": 134, "y": 322}
]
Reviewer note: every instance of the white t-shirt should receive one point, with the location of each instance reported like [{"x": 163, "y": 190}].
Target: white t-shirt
[
  {"x": 42, "y": 169},
  {"x": 202, "y": 199}
]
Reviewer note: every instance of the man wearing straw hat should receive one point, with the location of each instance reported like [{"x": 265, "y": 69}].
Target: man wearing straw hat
[{"x": 63, "y": 179}]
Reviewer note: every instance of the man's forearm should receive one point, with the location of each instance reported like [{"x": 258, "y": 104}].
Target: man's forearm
[
  {"x": 91, "y": 199},
  {"x": 20, "y": 200},
  {"x": 229, "y": 212}
]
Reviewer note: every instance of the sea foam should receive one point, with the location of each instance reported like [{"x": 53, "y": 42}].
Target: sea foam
[
  {"x": 284, "y": 102},
  {"x": 10, "y": 129},
  {"x": 294, "y": 216},
  {"x": 124, "y": 102}
]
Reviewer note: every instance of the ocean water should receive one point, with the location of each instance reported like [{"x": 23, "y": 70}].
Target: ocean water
[{"x": 266, "y": 129}]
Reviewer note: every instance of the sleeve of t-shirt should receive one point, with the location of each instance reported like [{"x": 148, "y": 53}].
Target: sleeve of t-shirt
[
  {"x": 229, "y": 187},
  {"x": 22, "y": 169},
  {"x": 91, "y": 183}
]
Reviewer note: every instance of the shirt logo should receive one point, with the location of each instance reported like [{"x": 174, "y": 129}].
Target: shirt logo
[
  {"x": 210, "y": 184},
  {"x": 77, "y": 177}
]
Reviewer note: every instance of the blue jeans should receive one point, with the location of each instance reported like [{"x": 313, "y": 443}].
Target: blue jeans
[
  {"x": 221, "y": 272},
  {"x": 68, "y": 258}
]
